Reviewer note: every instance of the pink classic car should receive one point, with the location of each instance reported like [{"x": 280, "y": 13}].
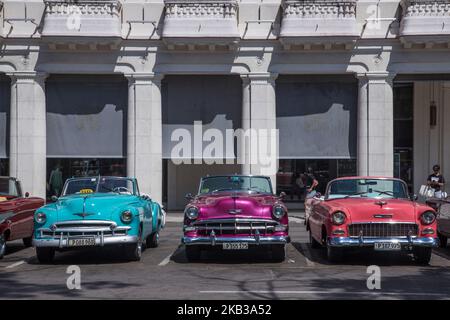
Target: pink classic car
[
  {"x": 372, "y": 212},
  {"x": 235, "y": 213}
]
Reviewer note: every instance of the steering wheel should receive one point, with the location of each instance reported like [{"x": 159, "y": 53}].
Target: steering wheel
[{"x": 121, "y": 190}]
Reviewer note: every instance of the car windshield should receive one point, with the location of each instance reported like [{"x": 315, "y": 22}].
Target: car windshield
[
  {"x": 99, "y": 185},
  {"x": 235, "y": 183},
  {"x": 8, "y": 187},
  {"x": 367, "y": 188}
]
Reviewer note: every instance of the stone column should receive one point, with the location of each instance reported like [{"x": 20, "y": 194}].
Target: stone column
[
  {"x": 259, "y": 115},
  {"x": 144, "y": 144},
  {"x": 28, "y": 143},
  {"x": 375, "y": 124}
]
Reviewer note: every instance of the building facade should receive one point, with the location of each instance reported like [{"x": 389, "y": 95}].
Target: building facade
[{"x": 94, "y": 87}]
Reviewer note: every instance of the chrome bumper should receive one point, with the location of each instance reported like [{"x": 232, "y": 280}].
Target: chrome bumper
[
  {"x": 366, "y": 242},
  {"x": 100, "y": 241},
  {"x": 250, "y": 240}
]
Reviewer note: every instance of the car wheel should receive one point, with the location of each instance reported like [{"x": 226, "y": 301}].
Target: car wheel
[
  {"x": 193, "y": 253},
  {"x": 313, "y": 242},
  {"x": 134, "y": 251},
  {"x": 45, "y": 255},
  {"x": 278, "y": 253},
  {"x": 153, "y": 240},
  {"x": 27, "y": 242},
  {"x": 422, "y": 255},
  {"x": 334, "y": 254},
  {"x": 442, "y": 240},
  {"x": 2, "y": 246}
]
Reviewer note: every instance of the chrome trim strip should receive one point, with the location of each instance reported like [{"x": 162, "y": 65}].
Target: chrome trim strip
[
  {"x": 249, "y": 220},
  {"x": 85, "y": 222},
  {"x": 250, "y": 240},
  {"x": 383, "y": 222},
  {"x": 99, "y": 241},
  {"x": 363, "y": 241},
  {"x": 83, "y": 229}
]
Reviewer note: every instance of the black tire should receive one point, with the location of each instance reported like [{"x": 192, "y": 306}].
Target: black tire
[
  {"x": 45, "y": 255},
  {"x": 334, "y": 254},
  {"x": 2, "y": 246},
  {"x": 278, "y": 253},
  {"x": 314, "y": 243},
  {"x": 193, "y": 253},
  {"x": 134, "y": 250},
  {"x": 422, "y": 255},
  {"x": 442, "y": 240},
  {"x": 27, "y": 242},
  {"x": 152, "y": 240}
]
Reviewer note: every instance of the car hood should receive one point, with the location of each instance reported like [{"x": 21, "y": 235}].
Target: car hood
[
  {"x": 235, "y": 205},
  {"x": 92, "y": 207},
  {"x": 384, "y": 210}
]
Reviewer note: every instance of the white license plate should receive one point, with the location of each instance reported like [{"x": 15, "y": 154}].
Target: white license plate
[
  {"x": 84, "y": 242},
  {"x": 387, "y": 246},
  {"x": 235, "y": 246}
]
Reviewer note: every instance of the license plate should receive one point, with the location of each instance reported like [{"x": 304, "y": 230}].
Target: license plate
[
  {"x": 387, "y": 246},
  {"x": 235, "y": 246},
  {"x": 84, "y": 242}
]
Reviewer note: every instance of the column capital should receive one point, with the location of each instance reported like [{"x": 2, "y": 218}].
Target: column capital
[
  {"x": 27, "y": 76},
  {"x": 376, "y": 76},
  {"x": 142, "y": 78},
  {"x": 259, "y": 77}
]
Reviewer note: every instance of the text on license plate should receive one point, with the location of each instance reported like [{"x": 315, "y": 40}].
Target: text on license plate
[
  {"x": 387, "y": 246},
  {"x": 81, "y": 242},
  {"x": 235, "y": 246}
]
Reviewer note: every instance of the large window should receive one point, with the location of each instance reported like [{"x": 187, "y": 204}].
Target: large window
[
  {"x": 4, "y": 169},
  {"x": 403, "y": 132},
  {"x": 5, "y": 94}
]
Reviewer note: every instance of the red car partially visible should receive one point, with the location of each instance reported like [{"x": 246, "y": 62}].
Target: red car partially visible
[
  {"x": 16, "y": 213},
  {"x": 376, "y": 213}
]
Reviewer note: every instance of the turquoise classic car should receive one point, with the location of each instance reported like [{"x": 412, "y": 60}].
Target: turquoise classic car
[{"x": 98, "y": 212}]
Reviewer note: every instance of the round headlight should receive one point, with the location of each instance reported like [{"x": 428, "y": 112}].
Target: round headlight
[
  {"x": 428, "y": 217},
  {"x": 338, "y": 218},
  {"x": 40, "y": 217},
  {"x": 191, "y": 213},
  {"x": 126, "y": 216},
  {"x": 278, "y": 212}
]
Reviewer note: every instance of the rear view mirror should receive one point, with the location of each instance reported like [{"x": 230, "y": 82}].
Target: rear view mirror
[
  {"x": 27, "y": 194},
  {"x": 189, "y": 196},
  {"x": 282, "y": 195},
  {"x": 54, "y": 198}
]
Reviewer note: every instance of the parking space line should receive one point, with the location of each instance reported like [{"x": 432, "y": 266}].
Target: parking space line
[
  {"x": 16, "y": 264},
  {"x": 376, "y": 293},
  {"x": 165, "y": 261},
  {"x": 307, "y": 253}
]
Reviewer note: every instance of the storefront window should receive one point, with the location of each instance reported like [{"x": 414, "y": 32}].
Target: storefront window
[
  {"x": 292, "y": 174},
  {"x": 4, "y": 170},
  {"x": 403, "y": 132},
  {"x": 58, "y": 170}
]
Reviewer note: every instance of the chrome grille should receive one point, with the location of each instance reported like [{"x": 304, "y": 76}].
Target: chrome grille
[
  {"x": 235, "y": 226},
  {"x": 82, "y": 228},
  {"x": 383, "y": 230}
]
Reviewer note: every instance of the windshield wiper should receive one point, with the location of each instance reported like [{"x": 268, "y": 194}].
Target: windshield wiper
[
  {"x": 389, "y": 193},
  {"x": 222, "y": 189},
  {"x": 356, "y": 194}
]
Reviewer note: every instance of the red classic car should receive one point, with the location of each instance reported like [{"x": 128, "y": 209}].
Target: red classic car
[
  {"x": 371, "y": 212},
  {"x": 16, "y": 213},
  {"x": 235, "y": 213}
]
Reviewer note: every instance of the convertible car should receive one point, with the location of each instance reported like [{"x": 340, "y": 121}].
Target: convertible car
[
  {"x": 16, "y": 213},
  {"x": 98, "y": 211},
  {"x": 371, "y": 212},
  {"x": 235, "y": 213}
]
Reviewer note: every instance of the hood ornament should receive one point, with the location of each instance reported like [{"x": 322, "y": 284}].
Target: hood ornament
[
  {"x": 84, "y": 214},
  {"x": 381, "y": 203}
]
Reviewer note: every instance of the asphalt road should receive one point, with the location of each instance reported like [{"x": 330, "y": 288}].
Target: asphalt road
[{"x": 164, "y": 273}]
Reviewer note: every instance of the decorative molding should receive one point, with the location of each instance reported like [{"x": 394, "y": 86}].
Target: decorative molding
[
  {"x": 319, "y": 24},
  {"x": 208, "y": 23},
  {"x": 425, "y": 24},
  {"x": 82, "y": 18}
]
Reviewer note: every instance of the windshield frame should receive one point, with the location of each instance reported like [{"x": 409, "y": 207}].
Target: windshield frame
[
  {"x": 327, "y": 193},
  {"x": 17, "y": 187},
  {"x": 97, "y": 178},
  {"x": 237, "y": 190}
]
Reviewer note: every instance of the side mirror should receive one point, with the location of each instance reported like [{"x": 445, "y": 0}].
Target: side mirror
[
  {"x": 318, "y": 195},
  {"x": 189, "y": 196},
  {"x": 54, "y": 198},
  {"x": 414, "y": 197},
  {"x": 146, "y": 197},
  {"x": 282, "y": 195},
  {"x": 27, "y": 194}
]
